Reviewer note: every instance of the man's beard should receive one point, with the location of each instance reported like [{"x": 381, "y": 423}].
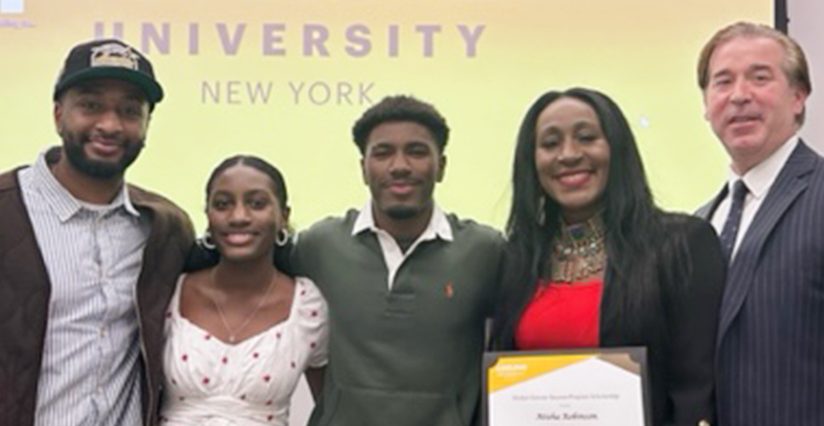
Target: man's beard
[{"x": 74, "y": 147}]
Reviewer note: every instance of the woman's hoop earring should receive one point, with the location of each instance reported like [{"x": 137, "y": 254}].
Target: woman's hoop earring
[
  {"x": 282, "y": 237},
  {"x": 207, "y": 242}
]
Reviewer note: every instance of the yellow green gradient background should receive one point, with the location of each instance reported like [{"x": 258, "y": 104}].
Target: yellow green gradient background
[{"x": 640, "y": 52}]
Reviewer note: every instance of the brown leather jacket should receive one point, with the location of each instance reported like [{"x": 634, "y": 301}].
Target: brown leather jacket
[{"x": 25, "y": 291}]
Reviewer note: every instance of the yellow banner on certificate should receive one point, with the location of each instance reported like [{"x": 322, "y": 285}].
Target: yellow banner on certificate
[{"x": 509, "y": 371}]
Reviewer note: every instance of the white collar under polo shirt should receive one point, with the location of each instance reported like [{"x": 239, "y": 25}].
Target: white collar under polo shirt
[
  {"x": 393, "y": 256},
  {"x": 758, "y": 180}
]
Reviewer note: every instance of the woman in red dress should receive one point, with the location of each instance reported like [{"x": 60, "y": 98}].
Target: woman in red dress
[{"x": 592, "y": 262}]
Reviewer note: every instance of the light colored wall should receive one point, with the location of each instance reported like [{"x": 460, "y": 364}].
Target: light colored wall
[{"x": 805, "y": 27}]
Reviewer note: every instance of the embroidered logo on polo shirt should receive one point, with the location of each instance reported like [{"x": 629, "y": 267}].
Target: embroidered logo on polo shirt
[{"x": 448, "y": 290}]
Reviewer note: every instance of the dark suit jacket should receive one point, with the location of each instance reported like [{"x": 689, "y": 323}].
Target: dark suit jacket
[
  {"x": 771, "y": 333},
  {"x": 681, "y": 367}
]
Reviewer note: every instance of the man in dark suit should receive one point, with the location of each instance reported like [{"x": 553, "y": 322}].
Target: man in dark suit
[{"x": 770, "y": 215}]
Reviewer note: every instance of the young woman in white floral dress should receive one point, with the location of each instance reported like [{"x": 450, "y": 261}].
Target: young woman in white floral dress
[{"x": 240, "y": 334}]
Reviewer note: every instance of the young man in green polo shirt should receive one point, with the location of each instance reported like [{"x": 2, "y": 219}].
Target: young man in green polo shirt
[{"x": 408, "y": 286}]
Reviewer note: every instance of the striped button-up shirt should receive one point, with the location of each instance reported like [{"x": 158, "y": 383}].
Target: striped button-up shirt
[{"x": 93, "y": 254}]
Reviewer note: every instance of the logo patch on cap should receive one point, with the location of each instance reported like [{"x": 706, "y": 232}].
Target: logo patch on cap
[{"x": 113, "y": 55}]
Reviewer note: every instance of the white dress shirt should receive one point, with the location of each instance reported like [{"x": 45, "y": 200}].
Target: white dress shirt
[{"x": 758, "y": 179}]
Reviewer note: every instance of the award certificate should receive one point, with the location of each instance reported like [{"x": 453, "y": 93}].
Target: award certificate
[{"x": 588, "y": 387}]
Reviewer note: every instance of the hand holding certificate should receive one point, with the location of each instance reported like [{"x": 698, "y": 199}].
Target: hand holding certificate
[{"x": 603, "y": 387}]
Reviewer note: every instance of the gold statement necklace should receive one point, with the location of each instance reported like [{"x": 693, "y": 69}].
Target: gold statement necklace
[
  {"x": 234, "y": 332},
  {"x": 578, "y": 251}
]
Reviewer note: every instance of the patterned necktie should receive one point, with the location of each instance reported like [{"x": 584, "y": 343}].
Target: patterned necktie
[{"x": 730, "y": 231}]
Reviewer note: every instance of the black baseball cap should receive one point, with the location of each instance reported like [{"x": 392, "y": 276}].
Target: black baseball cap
[{"x": 108, "y": 58}]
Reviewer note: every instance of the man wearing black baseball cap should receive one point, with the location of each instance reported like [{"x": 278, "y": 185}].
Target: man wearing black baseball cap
[
  {"x": 109, "y": 58},
  {"x": 87, "y": 261}
]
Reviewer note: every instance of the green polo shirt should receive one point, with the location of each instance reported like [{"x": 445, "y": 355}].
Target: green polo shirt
[{"x": 409, "y": 355}]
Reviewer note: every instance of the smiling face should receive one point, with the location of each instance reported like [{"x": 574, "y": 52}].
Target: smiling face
[
  {"x": 749, "y": 101},
  {"x": 572, "y": 157},
  {"x": 103, "y": 125},
  {"x": 401, "y": 165},
  {"x": 244, "y": 214}
]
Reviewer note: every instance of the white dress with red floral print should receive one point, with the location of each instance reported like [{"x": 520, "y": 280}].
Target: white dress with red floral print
[{"x": 213, "y": 383}]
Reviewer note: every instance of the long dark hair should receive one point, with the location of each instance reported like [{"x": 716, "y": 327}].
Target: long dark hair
[
  {"x": 633, "y": 225},
  {"x": 202, "y": 257}
]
